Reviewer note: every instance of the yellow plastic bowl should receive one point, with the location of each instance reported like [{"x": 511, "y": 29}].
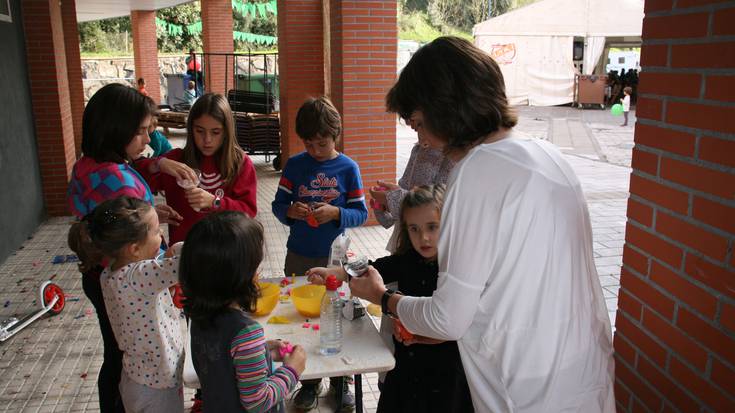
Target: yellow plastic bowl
[
  {"x": 268, "y": 298},
  {"x": 308, "y": 299}
]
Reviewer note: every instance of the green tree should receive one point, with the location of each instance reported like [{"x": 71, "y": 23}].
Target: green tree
[
  {"x": 182, "y": 15},
  {"x": 464, "y": 14}
]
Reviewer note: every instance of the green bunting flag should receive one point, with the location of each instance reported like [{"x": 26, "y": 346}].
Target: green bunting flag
[{"x": 253, "y": 9}]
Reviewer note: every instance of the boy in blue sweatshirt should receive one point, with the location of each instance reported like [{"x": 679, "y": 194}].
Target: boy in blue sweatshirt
[{"x": 319, "y": 195}]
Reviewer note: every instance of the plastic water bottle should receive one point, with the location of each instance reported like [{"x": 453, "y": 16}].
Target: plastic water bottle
[{"x": 330, "y": 330}]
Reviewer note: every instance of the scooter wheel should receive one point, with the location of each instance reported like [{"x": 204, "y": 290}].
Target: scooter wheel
[{"x": 50, "y": 290}]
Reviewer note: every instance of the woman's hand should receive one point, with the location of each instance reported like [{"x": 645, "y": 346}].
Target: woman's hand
[
  {"x": 199, "y": 198},
  {"x": 178, "y": 170},
  {"x": 298, "y": 210},
  {"x": 168, "y": 215},
  {"x": 324, "y": 212},
  {"x": 369, "y": 286},
  {"x": 317, "y": 275},
  {"x": 296, "y": 360}
]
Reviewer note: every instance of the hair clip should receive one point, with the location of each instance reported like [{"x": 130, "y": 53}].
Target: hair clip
[{"x": 108, "y": 217}]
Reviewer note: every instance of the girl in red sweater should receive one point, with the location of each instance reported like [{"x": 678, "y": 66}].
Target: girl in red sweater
[{"x": 227, "y": 176}]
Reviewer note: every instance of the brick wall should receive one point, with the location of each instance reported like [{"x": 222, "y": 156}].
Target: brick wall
[
  {"x": 363, "y": 68},
  {"x": 675, "y": 336},
  {"x": 73, "y": 68},
  {"x": 48, "y": 80},
  {"x": 145, "y": 51},
  {"x": 217, "y": 38},
  {"x": 301, "y": 64}
]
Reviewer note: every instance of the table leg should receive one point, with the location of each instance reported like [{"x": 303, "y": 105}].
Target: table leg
[{"x": 358, "y": 393}]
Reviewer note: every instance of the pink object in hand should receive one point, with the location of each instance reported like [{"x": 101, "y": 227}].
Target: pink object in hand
[{"x": 287, "y": 349}]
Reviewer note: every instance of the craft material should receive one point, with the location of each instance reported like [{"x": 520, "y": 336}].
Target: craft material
[
  {"x": 305, "y": 325},
  {"x": 374, "y": 310},
  {"x": 277, "y": 319},
  {"x": 286, "y": 349}
]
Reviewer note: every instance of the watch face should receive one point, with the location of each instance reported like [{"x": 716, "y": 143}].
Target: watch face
[{"x": 219, "y": 193}]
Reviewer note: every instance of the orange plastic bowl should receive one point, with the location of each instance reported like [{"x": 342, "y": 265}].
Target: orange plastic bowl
[
  {"x": 268, "y": 298},
  {"x": 308, "y": 299}
]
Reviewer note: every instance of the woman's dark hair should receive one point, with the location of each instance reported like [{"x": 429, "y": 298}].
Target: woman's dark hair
[
  {"x": 318, "y": 116},
  {"x": 107, "y": 229},
  {"x": 458, "y": 87},
  {"x": 218, "y": 264},
  {"x": 418, "y": 196},
  {"x": 111, "y": 120},
  {"x": 229, "y": 157}
]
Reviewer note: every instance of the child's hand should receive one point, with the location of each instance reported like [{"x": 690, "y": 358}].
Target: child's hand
[
  {"x": 324, "y": 212},
  {"x": 277, "y": 347},
  {"x": 296, "y": 360},
  {"x": 298, "y": 210},
  {"x": 199, "y": 198},
  {"x": 317, "y": 275},
  {"x": 174, "y": 249},
  {"x": 168, "y": 215}
]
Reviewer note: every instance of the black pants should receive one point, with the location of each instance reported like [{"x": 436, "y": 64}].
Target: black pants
[
  {"x": 625, "y": 114},
  {"x": 109, "y": 377}
]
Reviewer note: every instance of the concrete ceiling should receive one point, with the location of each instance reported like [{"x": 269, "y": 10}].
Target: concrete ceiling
[{"x": 88, "y": 10}]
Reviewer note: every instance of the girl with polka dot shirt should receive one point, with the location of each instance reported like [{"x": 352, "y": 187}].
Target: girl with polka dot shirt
[{"x": 135, "y": 287}]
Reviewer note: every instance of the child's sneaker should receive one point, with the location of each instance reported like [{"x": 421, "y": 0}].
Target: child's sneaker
[
  {"x": 306, "y": 398},
  {"x": 344, "y": 397}
]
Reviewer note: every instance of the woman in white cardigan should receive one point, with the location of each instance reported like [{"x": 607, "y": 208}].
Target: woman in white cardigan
[{"x": 517, "y": 288}]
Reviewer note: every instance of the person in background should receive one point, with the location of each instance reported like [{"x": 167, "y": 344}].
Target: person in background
[
  {"x": 190, "y": 94},
  {"x": 319, "y": 195},
  {"x": 141, "y": 86},
  {"x": 159, "y": 143},
  {"x": 626, "y": 104}
]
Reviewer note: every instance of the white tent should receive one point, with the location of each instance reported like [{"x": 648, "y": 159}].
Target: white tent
[{"x": 534, "y": 44}]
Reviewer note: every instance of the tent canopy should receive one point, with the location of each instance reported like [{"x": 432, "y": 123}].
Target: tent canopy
[{"x": 583, "y": 18}]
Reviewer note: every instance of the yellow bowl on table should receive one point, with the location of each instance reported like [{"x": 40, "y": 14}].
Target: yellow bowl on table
[
  {"x": 267, "y": 298},
  {"x": 308, "y": 299}
]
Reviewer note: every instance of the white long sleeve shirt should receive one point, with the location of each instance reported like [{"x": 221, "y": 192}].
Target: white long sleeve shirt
[{"x": 517, "y": 284}]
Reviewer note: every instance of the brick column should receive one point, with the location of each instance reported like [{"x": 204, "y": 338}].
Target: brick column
[
  {"x": 675, "y": 336},
  {"x": 145, "y": 50},
  {"x": 73, "y": 68},
  {"x": 364, "y": 43},
  {"x": 301, "y": 64},
  {"x": 217, "y": 38},
  {"x": 44, "y": 35}
]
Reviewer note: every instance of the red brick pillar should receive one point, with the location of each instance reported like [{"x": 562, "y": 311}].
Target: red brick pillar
[
  {"x": 217, "y": 38},
  {"x": 675, "y": 336},
  {"x": 44, "y": 35},
  {"x": 301, "y": 64},
  {"x": 364, "y": 43},
  {"x": 73, "y": 68},
  {"x": 145, "y": 50}
]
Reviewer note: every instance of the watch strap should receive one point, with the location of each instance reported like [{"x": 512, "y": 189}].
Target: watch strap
[{"x": 384, "y": 302}]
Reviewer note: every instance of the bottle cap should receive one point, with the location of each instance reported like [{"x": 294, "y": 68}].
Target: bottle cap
[{"x": 332, "y": 282}]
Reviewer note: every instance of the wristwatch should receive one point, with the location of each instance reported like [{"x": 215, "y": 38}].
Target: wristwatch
[
  {"x": 384, "y": 302},
  {"x": 217, "y": 202}
]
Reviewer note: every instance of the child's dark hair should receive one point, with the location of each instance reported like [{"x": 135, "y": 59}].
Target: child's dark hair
[
  {"x": 108, "y": 228},
  {"x": 230, "y": 156},
  {"x": 418, "y": 196},
  {"x": 318, "y": 116},
  {"x": 628, "y": 90},
  {"x": 111, "y": 121},
  {"x": 218, "y": 264}
]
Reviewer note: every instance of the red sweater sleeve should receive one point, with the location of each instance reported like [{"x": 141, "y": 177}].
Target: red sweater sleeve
[
  {"x": 242, "y": 196},
  {"x": 155, "y": 180}
]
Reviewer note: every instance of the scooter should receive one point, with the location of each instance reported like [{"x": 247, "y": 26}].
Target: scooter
[{"x": 51, "y": 299}]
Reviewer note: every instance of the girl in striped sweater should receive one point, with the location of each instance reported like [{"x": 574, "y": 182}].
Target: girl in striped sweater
[{"x": 218, "y": 274}]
